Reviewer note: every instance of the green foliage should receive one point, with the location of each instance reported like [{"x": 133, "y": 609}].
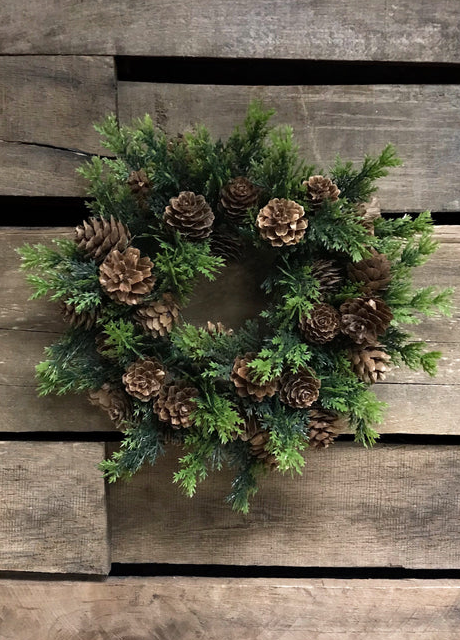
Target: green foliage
[
  {"x": 246, "y": 146},
  {"x": 202, "y": 455},
  {"x": 216, "y": 414},
  {"x": 284, "y": 350},
  {"x": 357, "y": 185},
  {"x": 121, "y": 340}
]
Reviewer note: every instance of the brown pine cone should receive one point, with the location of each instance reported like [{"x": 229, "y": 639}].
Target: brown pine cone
[
  {"x": 282, "y": 222},
  {"x": 218, "y": 328},
  {"x": 364, "y": 319},
  {"x": 158, "y": 317},
  {"x": 190, "y": 215},
  {"x": 320, "y": 189},
  {"x": 370, "y": 363},
  {"x": 324, "y": 427},
  {"x": 374, "y": 272},
  {"x": 139, "y": 183},
  {"x": 96, "y": 237},
  {"x": 126, "y": 277},
  {"x": 84, "y": 319},
  {"x": 236, "y": 197},
  {"x": 245, "y": 381},
  {"x": 114, "y": 401},
  {"x": 227, "y": 245},
  {"x": 143, "y": 378},
  {"x": 258, "y": 439},
  {"x": 176, "y": 403},
  {"x": 299, "y": 390},
  {"x": 322, "y": 325},
  {"x": 369, "y": 212},
  {"x": 328, "y": 274}
]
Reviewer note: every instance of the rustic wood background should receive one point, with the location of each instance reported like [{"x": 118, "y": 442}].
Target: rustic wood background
[{"x": 354, "y": 512}]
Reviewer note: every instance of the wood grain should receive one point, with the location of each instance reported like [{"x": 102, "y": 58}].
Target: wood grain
[
  {"x": 306, "y": 29},
  {"x": 423, "y": 121},
  {"x": 48, "y": 106},
  {"x": 216, "y": 608},
  {"x": 52, "y": 512},
  {"x": 388, "y": 506},
  {"x": 54, "y": 100}
]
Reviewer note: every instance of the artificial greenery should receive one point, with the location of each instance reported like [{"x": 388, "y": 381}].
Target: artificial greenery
[{"x": 87, "y": 357}]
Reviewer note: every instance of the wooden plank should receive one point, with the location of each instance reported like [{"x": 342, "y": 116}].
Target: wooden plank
[
  {"x": 423, "y": 121},
  {"x": 43, "y": 140},
  {"x": 82, "y": 90},
  {"x": 26, "y": 327},
  {"x": 388, "y": 506},
  {"x": 31, "y": 170},
  {"x": 358, "y": 30},
  {"x": 216, "y": 608},
  {"x": 52, "y": 513}
]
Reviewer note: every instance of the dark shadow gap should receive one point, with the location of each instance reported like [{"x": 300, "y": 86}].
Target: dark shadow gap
[
  {"x": 250, "y": 71},
  {"x": 47, "y": 211},
  {"x": 233, "y": 571},
  {"x": 50, "y": 577}
]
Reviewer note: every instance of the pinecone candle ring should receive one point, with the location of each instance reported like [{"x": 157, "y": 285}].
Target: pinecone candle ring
[
  {"x": 176, "y": 404},
  {"x": 364, "y": 319},
  {"x": 258, "y": 439},
  {"x": 139, "y": 183},
  {"x": 282, "y": 222},
  {"x": 126, "y": 277},
  {"x": 190, "y": 215},
  {"x": 328, "y": 274},
  {"x": 299, "y": 390},
  {"x": 159, "y": 317},
  {"x": 97, "y": 237},
  {"x": 85, "y": 319},
  {"x": 237, "y": 197},
  {"x": 245, "y": 381},
  {"x": 322, "y": 325},
  {"x": 143, "y": 379}
]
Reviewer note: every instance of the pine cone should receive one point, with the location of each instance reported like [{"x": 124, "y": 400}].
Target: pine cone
[
  {"x": 84, "y": 319},
  {"x": 258, "y": 439},
  {"x": 218, "y": 328},
  {"x": 139, "y": 183},
  {"x": 282, "y": 222},
  {"x": 126, "y": 277},
  {"x": 143, "y": 379},
  {"x": 369, "y": 212},
  {"x": 370, "y": 363},
  {"x": 114, "y": 401},
  {"x": 191, "y": 215},
  {"x": 299, "y": 390},
  {"x": 227, "y": 245},
  {"x": 245, "y": 382},
  {"x": 158, "y": 317},
  {"x": 320, "y": 189},
  {"x": 328, "y": 274},
  {"x": 373, "y": 271},
  {"x": 322, "y": 325},
  {"x": 324, "y": 427},
  {"x": 236, "y": 197},
  {"x": 96, "y": 237},
  {"x": 176, "y": 403},
  {"x": 364, "y": 319}
]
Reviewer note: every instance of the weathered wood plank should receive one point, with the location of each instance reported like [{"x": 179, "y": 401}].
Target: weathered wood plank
[
  {"x": 388, "y": 506},
  {"x": 423, "y": 121},
  {"x": 44, "y": 140},
  {"x": 26, "y": 327},
  {"x": 82, "y": 90},
  {"x": 358, "y": 30},
  {"x": 31, "y": 170},
  {"x": 216, "y": 608},
  {"x": 52, "y": 512}
]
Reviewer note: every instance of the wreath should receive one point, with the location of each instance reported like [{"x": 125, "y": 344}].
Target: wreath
[{"x": 166, "y": 213}]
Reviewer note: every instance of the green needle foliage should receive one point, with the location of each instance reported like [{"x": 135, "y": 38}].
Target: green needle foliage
[{"x": 235, "y": 408}]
